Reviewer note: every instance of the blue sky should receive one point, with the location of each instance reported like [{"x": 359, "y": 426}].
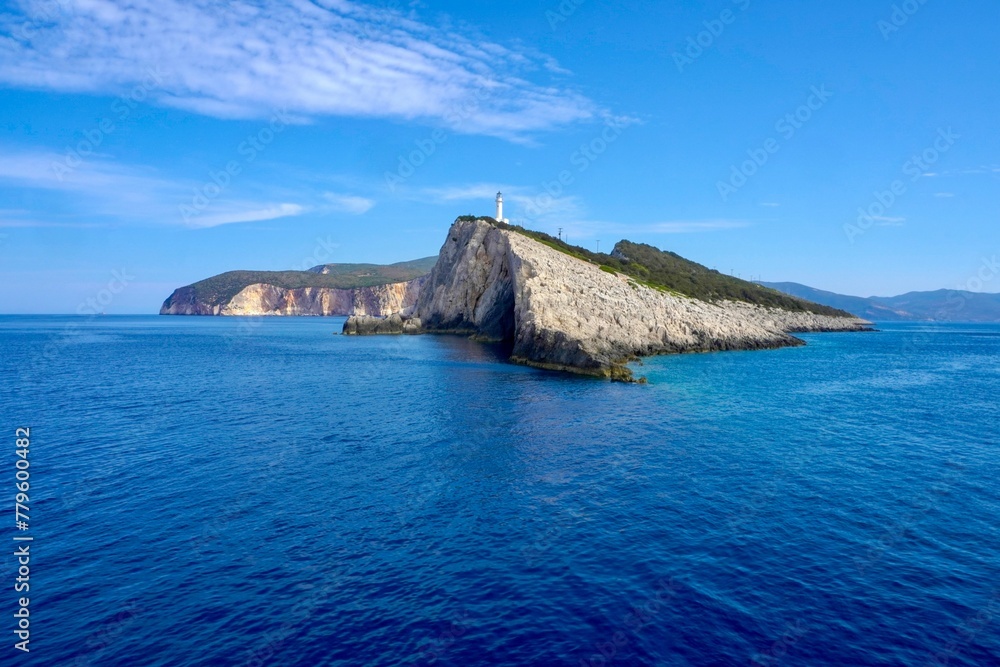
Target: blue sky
[{"x": 149, "y": 144}]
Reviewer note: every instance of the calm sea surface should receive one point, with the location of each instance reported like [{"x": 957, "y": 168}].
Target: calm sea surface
[{"x": 214, "y": 491}]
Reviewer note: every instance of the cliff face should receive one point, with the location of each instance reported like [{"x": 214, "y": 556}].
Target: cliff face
[
  {"x": 262, "y": 299},
  {"x": 471, "y": 288},
  {"x": 184, "y": 301},
  {"x": 567, "y": 314}
]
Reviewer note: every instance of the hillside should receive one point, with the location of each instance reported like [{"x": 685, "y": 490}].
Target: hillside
[
  {"x": 220, "y": 289},
  {"x": 938, "y": 306},
  {"x": 668, "y": 271}
]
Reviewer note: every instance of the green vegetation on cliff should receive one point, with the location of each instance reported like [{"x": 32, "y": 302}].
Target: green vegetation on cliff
[
  {"x": 670, "y": 272},
  {"x": 220, "y": 289}
]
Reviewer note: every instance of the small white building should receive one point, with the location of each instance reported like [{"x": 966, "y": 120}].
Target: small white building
[{"x": 499, "y": 215}]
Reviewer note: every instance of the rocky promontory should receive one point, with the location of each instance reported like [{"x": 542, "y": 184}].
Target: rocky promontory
[
  {"x": 267, "y": 299},
  {"x": 567, "y": 312},
  {"x": 327, "y": 289}
]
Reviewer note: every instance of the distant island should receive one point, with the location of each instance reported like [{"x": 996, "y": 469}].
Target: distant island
[
  {"x": 559, "y": 306},
  {"x": 942, "y": 305}
]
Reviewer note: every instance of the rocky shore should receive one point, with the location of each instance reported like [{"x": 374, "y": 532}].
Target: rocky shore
[{"x": 564, "y": 313}]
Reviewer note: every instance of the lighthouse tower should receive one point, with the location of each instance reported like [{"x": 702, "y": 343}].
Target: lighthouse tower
[{"x": 499, "y": 216}]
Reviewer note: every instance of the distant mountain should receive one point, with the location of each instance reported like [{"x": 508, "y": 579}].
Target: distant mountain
[{"x": 938, "y": 306}]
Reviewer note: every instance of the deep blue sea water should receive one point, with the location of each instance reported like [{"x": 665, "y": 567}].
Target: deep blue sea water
[{"x": 214, "y": 491}]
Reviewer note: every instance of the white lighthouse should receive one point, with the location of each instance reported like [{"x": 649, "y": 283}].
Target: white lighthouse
[{"x": 500, "y": 207}]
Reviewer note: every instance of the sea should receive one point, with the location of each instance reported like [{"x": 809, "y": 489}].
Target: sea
[{"x": 264, "y": 491}]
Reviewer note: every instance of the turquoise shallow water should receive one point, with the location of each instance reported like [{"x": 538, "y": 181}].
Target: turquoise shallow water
[{"x": 211, "y": 491}]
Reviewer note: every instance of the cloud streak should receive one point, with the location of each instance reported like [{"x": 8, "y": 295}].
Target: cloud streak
[
  {"x": 100, "y": 192},
  {"x": 272, "y": 212},
  {"x": 349, "y": 203},
  {"x": 313, "y": 59}
]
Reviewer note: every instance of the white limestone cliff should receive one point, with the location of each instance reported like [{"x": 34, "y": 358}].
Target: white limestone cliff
[
  {"x": 565, "y": 313},
  {"x": 263, "y": 299}
]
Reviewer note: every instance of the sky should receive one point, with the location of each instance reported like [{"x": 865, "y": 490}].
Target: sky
[{"x": 148, "y": 144}]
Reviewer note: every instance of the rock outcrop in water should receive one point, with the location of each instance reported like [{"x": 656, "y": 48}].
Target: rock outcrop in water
[
  {"x": 264, "y": 299},
  {"x": 369, "y": 325},
  {"x": 564, "y": 313}
]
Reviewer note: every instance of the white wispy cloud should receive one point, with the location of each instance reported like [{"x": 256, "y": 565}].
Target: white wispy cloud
[
  {"x": 310, "y": 59},
  {"x": 48, "y": 171},
  {"x": 944, "y": 194},
  {"x": 349, "y": 203},
  {"x": 968, "y": 171},
  {"x": 888, "y": 221},
  {"x": 98, "y": 191},
  {"x": 271, "y": 212},
  {"x": 770, "y": 204}
]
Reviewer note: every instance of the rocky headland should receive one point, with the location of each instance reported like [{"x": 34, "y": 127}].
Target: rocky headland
[
  {"x": 266, "y": 299},
  {"x": 324, "y": 290},
  {"x": 570, "y": 313}
]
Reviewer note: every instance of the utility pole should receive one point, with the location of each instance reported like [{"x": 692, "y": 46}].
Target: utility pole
[{"x": 560, "y": 233}]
